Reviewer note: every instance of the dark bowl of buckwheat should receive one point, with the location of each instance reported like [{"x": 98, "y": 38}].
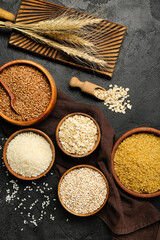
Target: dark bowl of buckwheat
[{"x": 33, "y": 89}]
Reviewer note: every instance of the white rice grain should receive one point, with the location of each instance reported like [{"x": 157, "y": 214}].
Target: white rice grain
[{"x": 29, "y": 154}]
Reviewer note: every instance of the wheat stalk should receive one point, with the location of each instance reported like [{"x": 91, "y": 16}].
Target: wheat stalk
[
  {"x": 70, "y": 51},
  {"x": 67, "y": 30},
  {"x": 70, "y": 38},
  {"x": 63, "y": 36},
  {"x": 2, "y": 24},
  {"x": 60, "y": 23}
]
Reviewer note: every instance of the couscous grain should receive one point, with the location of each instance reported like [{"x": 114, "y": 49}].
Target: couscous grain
[{"x": 137, "y": 162}]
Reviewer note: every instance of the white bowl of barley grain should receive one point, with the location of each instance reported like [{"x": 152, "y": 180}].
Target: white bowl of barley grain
[
  {"x": 83, "y": 190},
  {"x": 78, "y": 134}
]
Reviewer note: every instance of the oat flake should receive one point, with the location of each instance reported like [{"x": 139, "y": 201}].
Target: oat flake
[{"x": 115, "y": 98}]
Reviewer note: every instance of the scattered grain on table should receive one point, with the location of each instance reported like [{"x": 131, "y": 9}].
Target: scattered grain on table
[
  {"x": 32, "y": 202},
  {"x": 116, "y": 98},
  {"x": 29, "y": 198},
  {"x": 137, "y": 162}
]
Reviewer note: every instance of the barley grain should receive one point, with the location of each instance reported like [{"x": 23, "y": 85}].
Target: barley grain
[{"x": 83, "y": 190}]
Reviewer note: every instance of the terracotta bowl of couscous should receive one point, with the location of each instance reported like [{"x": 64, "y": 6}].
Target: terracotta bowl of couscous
[
  {"x": 78, "y": 135},
  {"x": 29, "y": 154},
  {"x": 135, "y": 162},
  {"x": 34, "y": 91}
]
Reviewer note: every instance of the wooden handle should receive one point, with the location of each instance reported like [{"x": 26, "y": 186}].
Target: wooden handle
[
  {"x": 86, "y": 86},
  {"x": 8, "y": 91},
  {"x": 7, "y": 15},
  {"x": 11, "y": 95},
  {"x": 75, "y": 82}
]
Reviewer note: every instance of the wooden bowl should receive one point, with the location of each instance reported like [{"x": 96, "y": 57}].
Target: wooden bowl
[
  {"x": 77, "y": 155},
  {"x": 121, "y": 138},
  {"x": 80, "y": 214},
  {"x": 34, "y": 131},
  {"x": 53, "y": 92}
]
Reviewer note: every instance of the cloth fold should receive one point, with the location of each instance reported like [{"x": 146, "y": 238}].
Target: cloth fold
[{"x": 129, "y": 218}]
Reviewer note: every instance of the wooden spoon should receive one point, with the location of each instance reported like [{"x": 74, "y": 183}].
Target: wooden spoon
[
  {"x": 11, "y": 95},
  {"x": 86, "y": 86},
  {"x": 7, "y": 15}
]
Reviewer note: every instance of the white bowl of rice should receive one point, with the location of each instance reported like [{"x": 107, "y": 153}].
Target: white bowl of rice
[{"x": 29, "y": 154}]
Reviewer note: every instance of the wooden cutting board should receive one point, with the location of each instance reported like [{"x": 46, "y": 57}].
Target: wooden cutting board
[{"x": 107, "y": 36}]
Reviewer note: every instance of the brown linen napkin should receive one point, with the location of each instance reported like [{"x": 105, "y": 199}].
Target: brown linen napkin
[{"x": 128, "y": 218}]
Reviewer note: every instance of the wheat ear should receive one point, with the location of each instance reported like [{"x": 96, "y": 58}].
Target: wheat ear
[
  {"x": 70, "y": 38},
  {"x": 60, "y": 23},
  {"x": 57, "y": 35},
  {"x": 70, "y": 51},
  {"x": 77, "y": 53}
]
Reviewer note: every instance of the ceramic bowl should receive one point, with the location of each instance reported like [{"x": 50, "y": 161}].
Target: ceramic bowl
[
  {"x": 34, "y": 131},
  {"x": 53, "y": 92},
  {"x": 121, "y": 138},
  {"x": 80, "y": 214},
  {"x": 76, "y": 155}
]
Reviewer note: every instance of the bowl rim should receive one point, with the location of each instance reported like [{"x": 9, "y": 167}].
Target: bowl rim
[
  {"x": 83, "y": 166},
  {"x": 37, "y": 131},
  {"x": 76, "y": 155},
  {"x": 52, "y": 85},
  {"x": 119, "y": 140}
]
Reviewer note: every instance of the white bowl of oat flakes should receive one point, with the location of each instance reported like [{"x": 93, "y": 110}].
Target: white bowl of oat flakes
[{"x": 78, "y": 134}]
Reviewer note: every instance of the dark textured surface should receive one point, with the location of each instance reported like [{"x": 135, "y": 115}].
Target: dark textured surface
[{"x": 138, "y": 68}]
